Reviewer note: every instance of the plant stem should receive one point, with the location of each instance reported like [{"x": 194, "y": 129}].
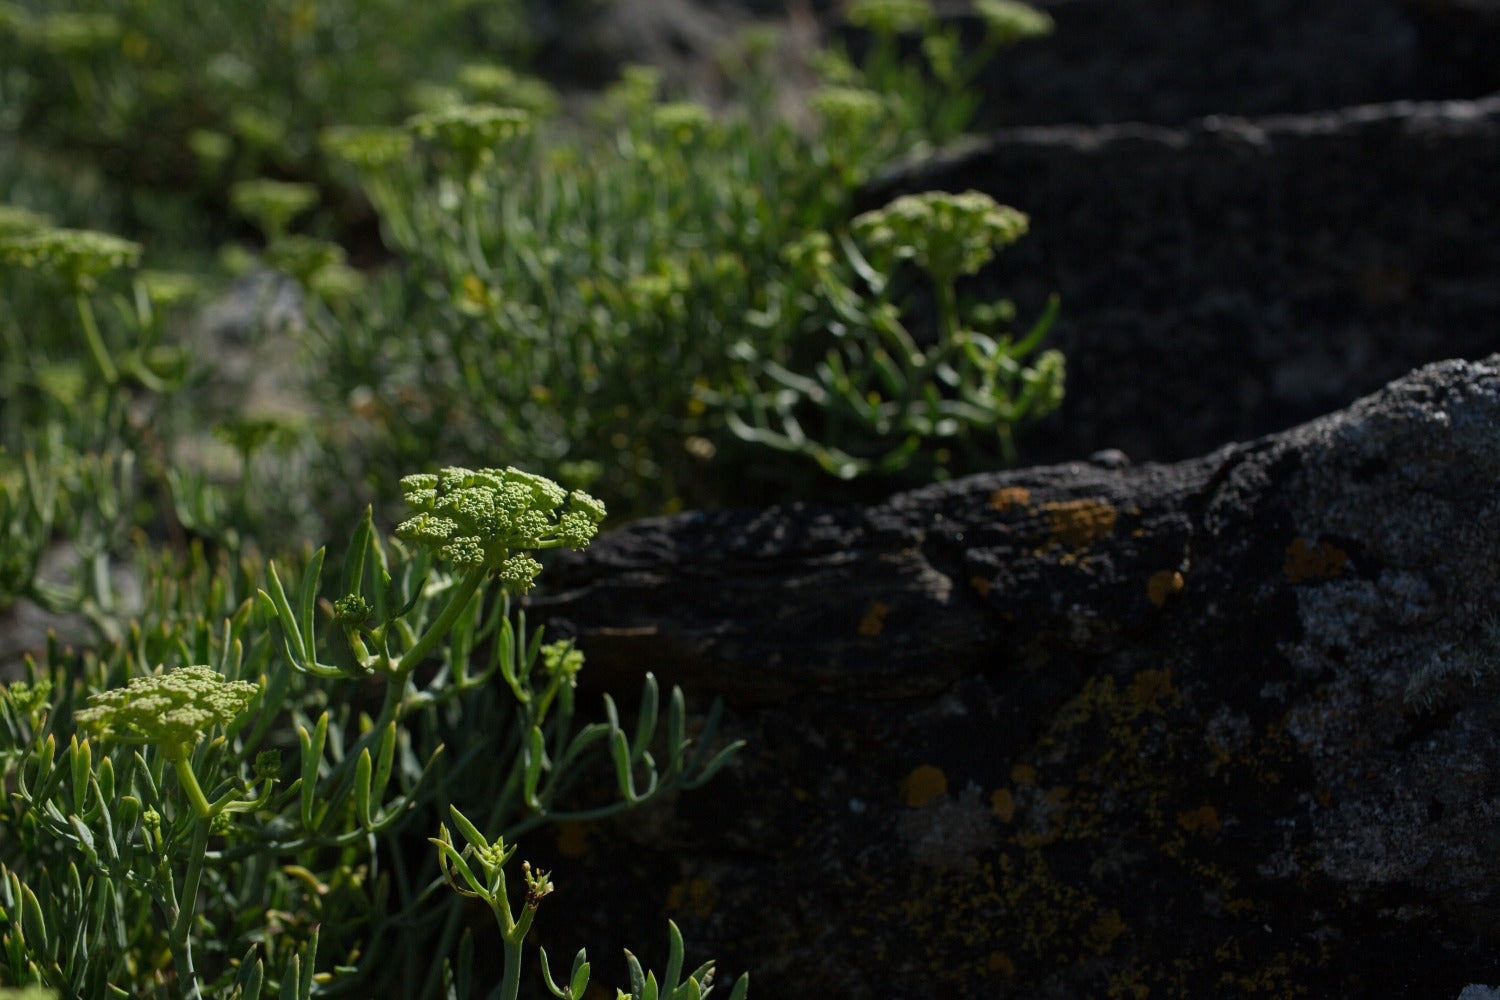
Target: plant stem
[
  {"x": 187, "y": 905},
  {"x": 190, "y": 787},
  {"x": 510, "y": 981},
  {"x": 96, "y": 343},
  {"x": 435, "y": 632}
]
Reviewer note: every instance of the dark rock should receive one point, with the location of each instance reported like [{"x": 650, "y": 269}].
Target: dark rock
[
  {"x": 1232, "y": 278},
  {"x": 1228, "y": 727},
  {"x": 1167, "y": 62}
]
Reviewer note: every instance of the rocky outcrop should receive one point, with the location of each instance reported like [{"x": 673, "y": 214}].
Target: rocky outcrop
[
  {"x": 1234, "y": 277},
  {"x": 1223, "y": 727},
  {"x": 1168, "y": 62}
]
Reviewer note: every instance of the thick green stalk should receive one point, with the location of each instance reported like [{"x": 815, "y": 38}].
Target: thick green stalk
[
  {"x": 510, "y": 979},
  {"x": 187, "y": 906},
  {"x": 96, "y": 342},
  {"x": 440, "y": 626},
  {"x": 189, "y": 782}
]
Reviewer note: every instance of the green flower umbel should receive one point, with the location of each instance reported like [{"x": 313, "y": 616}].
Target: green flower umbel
[
  {"x": 946, "y": 234},
  {"x": 173, "y": 710},
  {"x": 479, "y": 519},
  {"x": 79, "y": 256}
]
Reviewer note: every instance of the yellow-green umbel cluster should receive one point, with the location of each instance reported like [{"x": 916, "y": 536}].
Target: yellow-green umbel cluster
[
  {"x": 1008, "y": 21},
  {"x": 368, "y": 147},
  {"x": 78, "y": 255},
  {"x": 15, "y": 220},
  {"x": 174, "y": 709},
  {"x": 470, "y": 132},
  {"x": 946, "y": 234},
  {"x": 272, "y": 204},
  {"x": 890, "y": 17},
  {"x": 478, "y": 519}
]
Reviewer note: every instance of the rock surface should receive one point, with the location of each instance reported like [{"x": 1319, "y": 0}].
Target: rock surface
[
  {"x": 1223, "y": 727},
  {"x": 1234, "y": 277},
  {"x": 1168, "y": 62}
]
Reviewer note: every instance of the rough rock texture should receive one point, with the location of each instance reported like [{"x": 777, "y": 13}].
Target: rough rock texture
[
  {"x": 1169, "y": 61},
  {"x": 1227, "y": 727},
  {"x": 1234, "y": 277}
]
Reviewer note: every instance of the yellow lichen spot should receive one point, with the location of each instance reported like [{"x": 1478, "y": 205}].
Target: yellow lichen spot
[
  {"x": 135, "y": 46},
  {"x": 1000, "y": 964},
  {"x": 801, "y": 794},
  {"x": 572, "y": 840},
  {"x": 874, "y": 620},
  {"x": 1105, "y": 930},
  {"x": 695, "y": 896},
  {"x": 1003, "y": 805},
  {"x": 1162, "y": 585},
  {"x": 474, "y": 291},
  {"x": 1010, "y": 496},
  {"x": 1204, "y": 819},
  {"x": 1079, "y": 523},
  {"x": 1150, "y": 686},
  {"x": 1023, "y": 774},
  {"x": 1304, "y": 561},
  {"x": 923, "y": 784},
  {"x": 981, "y": 585}
]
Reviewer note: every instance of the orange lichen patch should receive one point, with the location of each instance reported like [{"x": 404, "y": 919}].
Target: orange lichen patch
[
  {"x": 1162, "y": 585},
  {"x": 1306, "y": 561},
  {"x": 923, "y": 784},
  {"x": 1010, "y": 496},
  {"x": 874, "y": 621},
  {"x": 1102, "y": 934},
  {"x": 981, "y": 585},
  {"x": 1078, "y": 523},
  {"x": 1000, "y": 964},
  {"x": 1204, "y": 819},
  {"x": 1003, "y": 805},
  {"x": 1023, "y": 774},
  {"x": 695, "y": 896},
  {"x": 572, "y": 840},
  {"x": 1149, "y": 687}
]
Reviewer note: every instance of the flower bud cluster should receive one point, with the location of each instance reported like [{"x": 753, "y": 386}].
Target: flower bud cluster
[
  {"x": 77, "y": 255},
  {"x": 890, "y": 17},
  {"x": 1009, "y": 21},
  {"x": 479, "y": 518},
  {"x": 174, "y": 709},
  {"x": 946, "y": 234}
]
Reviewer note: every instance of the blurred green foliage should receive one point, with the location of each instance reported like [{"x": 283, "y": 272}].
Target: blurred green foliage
[{"x": 663, "y": 302}]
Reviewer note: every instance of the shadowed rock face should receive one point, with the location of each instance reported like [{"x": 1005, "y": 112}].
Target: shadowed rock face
[
  {"x": 1232, "y": 278},
  {"x": 1168, "y": 62},
  {"x": 1223, "y": 727}
]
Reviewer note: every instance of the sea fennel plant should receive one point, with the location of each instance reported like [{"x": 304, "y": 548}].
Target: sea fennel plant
[
  {"x": 205, "y": 810},
  {"x": 603, "y": 300}
]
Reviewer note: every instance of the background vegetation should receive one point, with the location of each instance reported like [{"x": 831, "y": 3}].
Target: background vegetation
[{"x": 258, "y": 263}]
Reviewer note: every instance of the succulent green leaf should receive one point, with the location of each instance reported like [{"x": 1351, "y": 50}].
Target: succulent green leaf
[
  {"x": 675, "y": 952},
  {"x": 308, "y": 601},
  {"x": 363, "y": 772},
  {"x": 79, "y": 757},
  {"x": 645, "y": 726},
  {"x": 312, "y": 756},
  {"x": 449, "y": 858},
  {"x": 536, "y": 754},
  {"x": 578, "y": 985}
]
